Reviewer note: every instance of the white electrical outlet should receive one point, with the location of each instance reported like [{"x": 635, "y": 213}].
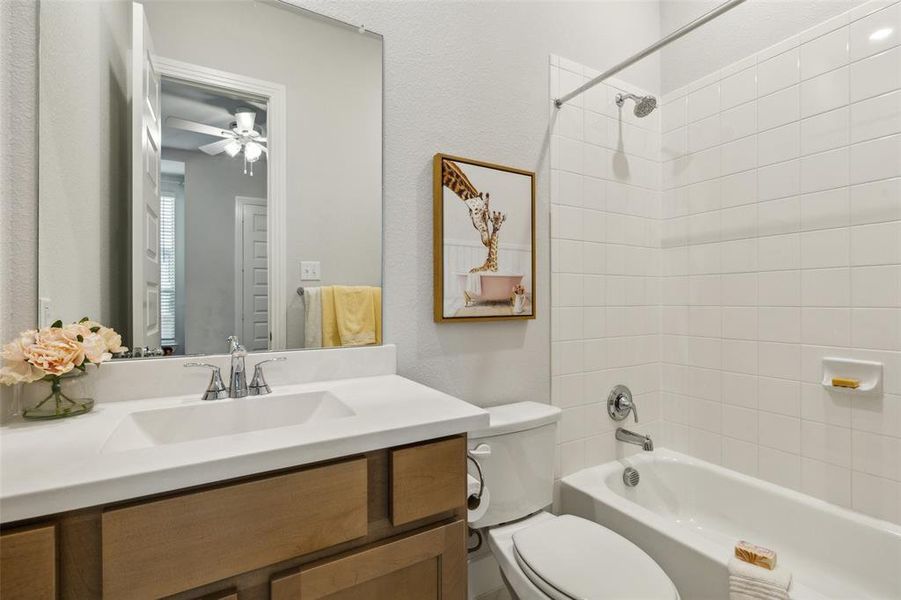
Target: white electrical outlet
[
  {"x": 309, "y": 270},
  {"x": 45, "y": 312}
]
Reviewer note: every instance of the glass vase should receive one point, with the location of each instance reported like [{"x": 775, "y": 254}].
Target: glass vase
[{"x": 57, "y": 404}]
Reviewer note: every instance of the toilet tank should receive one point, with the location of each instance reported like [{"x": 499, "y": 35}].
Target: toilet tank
[{"x": 519, "y": 471}]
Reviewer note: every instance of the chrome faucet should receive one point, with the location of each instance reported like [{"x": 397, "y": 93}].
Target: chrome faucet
[
  {"x": 237, "y": 379},
  {"x": 630, "y": 437},
  {"x": 619, "y": 405}
]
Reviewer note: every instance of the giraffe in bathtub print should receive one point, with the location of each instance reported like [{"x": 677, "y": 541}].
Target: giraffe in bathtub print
[{"x": 454, "y": 179}]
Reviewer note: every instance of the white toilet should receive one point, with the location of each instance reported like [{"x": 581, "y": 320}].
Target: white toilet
[{"x": 544, "y": 556}]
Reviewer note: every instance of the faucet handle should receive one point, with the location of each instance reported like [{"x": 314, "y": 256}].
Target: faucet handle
[
  {"x": 216, "y": 389},
  {"x": 258, "y": 385},
  {"x": 620, "y": 404}
]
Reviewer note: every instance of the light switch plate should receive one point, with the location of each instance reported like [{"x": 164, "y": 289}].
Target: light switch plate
[
  {"x": 310, "y": 270},
  {"x": 45, "y": 310}
]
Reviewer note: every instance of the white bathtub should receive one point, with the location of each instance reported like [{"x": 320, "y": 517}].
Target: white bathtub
[{"x": 688, "y": 514}]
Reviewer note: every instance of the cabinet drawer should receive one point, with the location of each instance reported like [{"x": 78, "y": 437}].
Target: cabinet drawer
[
  {"x": 166, "y": 546},
  {"x": 28, "y": 564},
  {"x": 427, "y": 479},
  {"x": 426, "y": 565}
]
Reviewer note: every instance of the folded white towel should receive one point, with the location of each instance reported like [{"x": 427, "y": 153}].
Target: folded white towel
[
  {"x": 750, "y": 582},
  {"x": 474, "y": 284},
  {"x": 757, "y": 590},
  {"x": 738, "y": 595},
  {"x": 778, "y": 577},
  {"x": 312, "y": 317}
]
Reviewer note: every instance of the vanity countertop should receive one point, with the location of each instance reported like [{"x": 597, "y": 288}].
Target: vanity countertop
[{"x": 55, "y": 466}]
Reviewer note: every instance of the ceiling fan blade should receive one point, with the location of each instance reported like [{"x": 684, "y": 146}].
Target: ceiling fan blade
[
  {"x": 178, "y": 123},
  {"x": 215, "y": 147},
  {"x": 260, "y": 139}
]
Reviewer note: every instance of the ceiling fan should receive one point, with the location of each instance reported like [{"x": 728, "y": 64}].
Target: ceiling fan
[{"x": 242, "y": 138}]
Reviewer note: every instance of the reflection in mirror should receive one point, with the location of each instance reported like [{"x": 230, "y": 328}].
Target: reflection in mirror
[{"x": 193, "y": 188}]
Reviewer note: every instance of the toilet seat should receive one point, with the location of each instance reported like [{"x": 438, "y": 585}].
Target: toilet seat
[
  {"x": 549, "y": 590},
  {"x": 570, "y": 558}
]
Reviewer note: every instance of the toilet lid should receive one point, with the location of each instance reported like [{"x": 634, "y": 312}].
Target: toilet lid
[{"x": 585, "y": 561}]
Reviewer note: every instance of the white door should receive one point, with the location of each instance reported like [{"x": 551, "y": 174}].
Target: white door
[
  {"x": 144, "y": 98},
  {"x": 255, "y": 278}
]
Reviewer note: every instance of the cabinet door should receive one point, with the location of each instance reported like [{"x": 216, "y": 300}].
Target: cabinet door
[
  {"x": 28, "y": 564},
  {"x": 425, "y": 565},
  {"x": 427, "y": 479},
  {"x": 163, "y": 547}
]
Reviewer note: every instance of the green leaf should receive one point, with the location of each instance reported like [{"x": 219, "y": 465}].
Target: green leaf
[
  {"x": 95, "y": 329},
  {"x": 79, "y": 337},
  {"x": 83, "y": 319},
  {"x": 57, "y": 324}
]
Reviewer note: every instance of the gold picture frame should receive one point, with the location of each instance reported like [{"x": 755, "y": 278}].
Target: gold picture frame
[{"x": 484, "y": 241}]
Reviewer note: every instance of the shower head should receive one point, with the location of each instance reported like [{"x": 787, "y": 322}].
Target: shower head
[{"x": 644, "y": 105}]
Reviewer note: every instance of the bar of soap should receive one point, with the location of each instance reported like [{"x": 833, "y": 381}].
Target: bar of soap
[
  {"x": 845, "y": 383},
  {"x": 756, "y": 555}
]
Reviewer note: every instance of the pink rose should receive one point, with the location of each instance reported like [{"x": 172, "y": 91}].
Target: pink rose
[
  {"x": 16, "y": 369},
  {"x": 113, "y": 340},
  {"x": 56, "y": 351},
  {"x": 95, "y": 348}
]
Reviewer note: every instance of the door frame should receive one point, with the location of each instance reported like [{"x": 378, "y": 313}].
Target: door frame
[
  {"x": 276, "y": 192},
  {"x": 240, "y": 203}
]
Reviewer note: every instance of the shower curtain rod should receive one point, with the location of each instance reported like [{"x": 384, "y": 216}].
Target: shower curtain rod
[{"x": 685, "y": 29}]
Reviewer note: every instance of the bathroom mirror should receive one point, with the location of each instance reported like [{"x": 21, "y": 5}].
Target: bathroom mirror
[{"x": 210, "y": 168}]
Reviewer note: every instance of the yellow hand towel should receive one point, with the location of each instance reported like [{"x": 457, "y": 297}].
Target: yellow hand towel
[
  {"x": 355, "y": 315},
  {"x": 330, "y": 337},
  {"x": 377, "y": 305}
]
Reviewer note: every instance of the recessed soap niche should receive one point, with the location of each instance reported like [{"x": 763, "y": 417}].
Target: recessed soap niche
[{"x": 867, "y": 373}]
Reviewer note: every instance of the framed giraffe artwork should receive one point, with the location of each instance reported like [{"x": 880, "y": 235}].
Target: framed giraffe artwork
[{"x": 484, "y": 241}]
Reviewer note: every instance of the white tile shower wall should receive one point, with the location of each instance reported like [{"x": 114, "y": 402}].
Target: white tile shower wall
[
  {"x": 780, "y": 244},
  {"x": 605, "y": 202}
]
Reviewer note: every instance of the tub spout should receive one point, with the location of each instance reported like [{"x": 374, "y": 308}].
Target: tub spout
[{"x": 630, "y": 437}]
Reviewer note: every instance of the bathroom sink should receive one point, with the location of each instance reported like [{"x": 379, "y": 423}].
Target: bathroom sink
[{"x": 163, "y": 426}]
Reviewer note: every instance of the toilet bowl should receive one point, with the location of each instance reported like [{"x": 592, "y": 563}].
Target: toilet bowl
[{"x": 542, "y": 556}]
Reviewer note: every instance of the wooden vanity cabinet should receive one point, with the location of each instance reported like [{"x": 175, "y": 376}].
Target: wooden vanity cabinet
[
  {"x": 378, "y": 526},
  {"x": 424, "y": 565},
  {"x": 28, "y": 563},
  {"x": 425, "y": 479},
  {"x": 213, "y": 534}
]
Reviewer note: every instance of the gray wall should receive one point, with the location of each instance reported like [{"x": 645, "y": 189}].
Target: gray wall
[
  {"x": 84, "y": 161},
  {"x": 211, "y": 184},
  {"x": 469, "y": 78},
  {"x": 18, "y": 169}
]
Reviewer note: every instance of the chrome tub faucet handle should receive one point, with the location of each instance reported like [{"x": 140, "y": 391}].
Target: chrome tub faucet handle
[{"x": 620, "y": 404}]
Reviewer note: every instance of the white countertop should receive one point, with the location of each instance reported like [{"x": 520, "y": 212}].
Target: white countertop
[{"x": 55, "y": 466}]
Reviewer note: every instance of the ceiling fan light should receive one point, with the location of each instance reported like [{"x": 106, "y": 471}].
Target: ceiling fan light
[
  {"x": 252, "y": 151},
  {"x": 233, "y": 148},
  {"x": 244, "y": 119}
]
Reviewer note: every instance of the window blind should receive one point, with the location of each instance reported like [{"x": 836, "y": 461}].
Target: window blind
[{"x": 167, "y": 270}]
